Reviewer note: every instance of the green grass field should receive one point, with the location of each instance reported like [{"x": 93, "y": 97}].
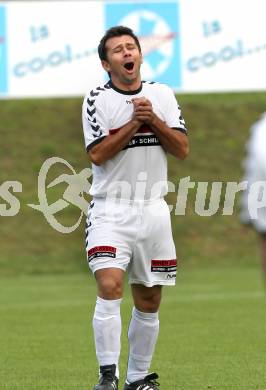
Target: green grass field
[
  {"x": 212, "y": 323},
  {"x": 212, "y": 332}
]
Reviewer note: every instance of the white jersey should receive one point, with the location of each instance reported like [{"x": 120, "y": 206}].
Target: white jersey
[
  {"x": 255, "y": 171},
  {"x": 256, "y": 146},
  {"x": 139, "y": 171}
]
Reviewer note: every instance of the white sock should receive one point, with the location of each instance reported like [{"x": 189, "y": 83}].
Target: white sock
[
  {"x": 142, "y": 336},
  {"x": 107, "y": 331}
]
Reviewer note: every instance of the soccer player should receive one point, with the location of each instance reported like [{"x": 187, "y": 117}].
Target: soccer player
[
  {"x": 253, "y": 204},
  {"x": 129, "y": 126}
]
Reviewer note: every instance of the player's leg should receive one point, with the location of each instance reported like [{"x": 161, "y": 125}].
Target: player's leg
[
  {"x": 146, "y": 299},
  {"x": 107, "y": 325},
  {"x": 108, "y": 255},
  {"x": 153, "y": 265},
  {"x": 142, "y": 335},
  {"x": 110, "y": 283}
]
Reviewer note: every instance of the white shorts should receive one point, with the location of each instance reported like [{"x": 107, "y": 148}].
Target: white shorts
[{"x": 136, "y": 237}]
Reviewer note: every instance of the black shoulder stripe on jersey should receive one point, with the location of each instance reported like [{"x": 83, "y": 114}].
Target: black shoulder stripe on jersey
[
  {"x": 149, "y": 82},
  {"x": 95, "y": 142},
  {"x": 182, "y": 120},
  {"x": 92, "y": 93},
  {"x": 90, "y": 102},
  {"x": 97, "y": 133},
  {"x": 91, "y": 111},
  {"x": 184, "y": 131},
  {"x": 95, "y": 127}
]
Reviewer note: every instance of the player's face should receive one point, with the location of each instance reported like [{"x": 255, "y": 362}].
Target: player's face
[{"x": 123, "y": 62}]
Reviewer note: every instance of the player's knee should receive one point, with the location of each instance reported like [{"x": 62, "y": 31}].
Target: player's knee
[
  {"x": 110, "y": 288},
  {"x": 150, "y": 306},
  {"x": 150, "y": 302},
  {"x": 110, "y": 283}
]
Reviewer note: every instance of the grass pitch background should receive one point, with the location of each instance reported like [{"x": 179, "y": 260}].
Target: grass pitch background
[{"x": 213, "y": 322}]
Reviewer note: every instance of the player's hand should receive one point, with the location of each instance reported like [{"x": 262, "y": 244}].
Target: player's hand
[{"x": 143, "y": 110}]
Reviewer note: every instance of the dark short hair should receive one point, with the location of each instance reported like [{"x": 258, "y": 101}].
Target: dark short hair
[{"x": 116, "y": 31}]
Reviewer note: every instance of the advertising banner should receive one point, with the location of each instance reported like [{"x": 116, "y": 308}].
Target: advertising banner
[
  {"x": 223, "y": 45},
  {"x": 49, "y": 48},
  {"x": 52, "y": 47},
  {"x": 3, "y": 51}
]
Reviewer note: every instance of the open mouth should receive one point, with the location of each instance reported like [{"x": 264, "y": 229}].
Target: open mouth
[{"x": 129, "y": 65}]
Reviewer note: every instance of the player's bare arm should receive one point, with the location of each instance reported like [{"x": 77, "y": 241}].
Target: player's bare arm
[
  {"x": 173, "y": 142},
  {"x": 113, "y": 144}
]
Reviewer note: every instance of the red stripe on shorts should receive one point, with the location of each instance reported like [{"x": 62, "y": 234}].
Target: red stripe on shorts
[
  {"x": 102, "y": 248},
  {"x": 164, "y": 263}
]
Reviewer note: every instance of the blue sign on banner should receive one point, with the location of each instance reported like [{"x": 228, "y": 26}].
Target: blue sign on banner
[
  {"x": 157, "y": 27},
  {"x": 3, "y": 50}
]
